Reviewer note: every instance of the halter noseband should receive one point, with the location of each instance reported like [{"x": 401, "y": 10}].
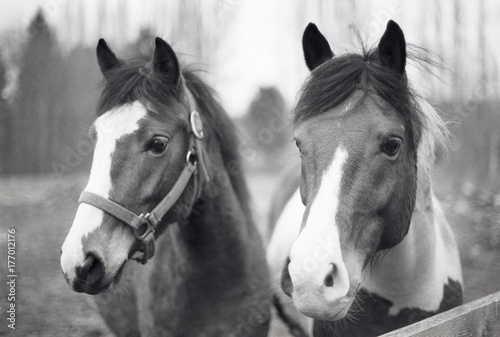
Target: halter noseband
[{"x": 144, "y": 225}]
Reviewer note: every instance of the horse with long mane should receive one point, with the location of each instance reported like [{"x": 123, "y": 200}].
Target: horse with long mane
[
  {"x": 166, "y": 185},
  {"x": 366, "y": 245}
]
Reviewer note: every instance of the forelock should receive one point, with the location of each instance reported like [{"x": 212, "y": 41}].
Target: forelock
[{"x": 336, "y": 80}]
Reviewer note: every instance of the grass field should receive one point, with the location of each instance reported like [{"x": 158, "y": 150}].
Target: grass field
[{"x": 41, "y": 209}]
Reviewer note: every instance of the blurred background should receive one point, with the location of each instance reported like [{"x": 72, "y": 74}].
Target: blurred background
[{"x": 250, "y": 52}]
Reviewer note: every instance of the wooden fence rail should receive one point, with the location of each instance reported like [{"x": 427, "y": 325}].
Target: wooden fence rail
[{"x": 477, "y": 318}]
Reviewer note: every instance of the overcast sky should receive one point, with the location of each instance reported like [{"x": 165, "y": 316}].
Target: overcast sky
[{"x": 262, "y": 44}]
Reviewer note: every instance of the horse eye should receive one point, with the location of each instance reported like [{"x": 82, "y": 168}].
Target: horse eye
[
  {"x": 391, "y": 147},
  {"x": 158, "y": 144}
]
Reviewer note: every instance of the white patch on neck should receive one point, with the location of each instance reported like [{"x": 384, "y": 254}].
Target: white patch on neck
[
  {"x": 110, "y": 127},
  {"x": 413, "y": 274},
  {"x": 285, "y": 232}
]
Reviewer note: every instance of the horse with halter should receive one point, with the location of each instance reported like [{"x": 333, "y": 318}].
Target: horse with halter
[
  {"x": 373, "y": 248},
  {"x": 166, "y": 181}
]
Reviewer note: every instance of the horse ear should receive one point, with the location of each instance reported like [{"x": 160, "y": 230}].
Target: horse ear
[
  {"x": 315, "y": 46},
  {"x": 105, "y": 57},
  {"x": 392, "y": 48},
  {"x": 165, "y": 62}
]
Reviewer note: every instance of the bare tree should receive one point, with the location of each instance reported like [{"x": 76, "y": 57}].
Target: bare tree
[
  {"x": 457, "y": 56},
  {"x": 36, "y": 108},
  {"x": 483, "y": 71},
  {"x": 5, "y": 129}
]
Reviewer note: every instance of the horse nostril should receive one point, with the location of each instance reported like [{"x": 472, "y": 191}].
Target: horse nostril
[
  {"x": 92, "y": 270},
  {"x": 328, "y": 282}
]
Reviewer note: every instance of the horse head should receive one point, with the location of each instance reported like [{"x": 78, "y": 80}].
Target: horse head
[
  {"x": 357, "y": 132},
  {"x": 145, "y": 138}
]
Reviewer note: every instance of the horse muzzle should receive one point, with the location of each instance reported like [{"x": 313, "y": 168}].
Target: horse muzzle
[
  {"x": 91, "y": 276},
  {"x": 322, "y": 294}
]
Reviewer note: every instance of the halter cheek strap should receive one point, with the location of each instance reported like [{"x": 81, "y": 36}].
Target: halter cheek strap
[
  {"x": 197, "y": 129},
  {"x": 144, "y": 225}
]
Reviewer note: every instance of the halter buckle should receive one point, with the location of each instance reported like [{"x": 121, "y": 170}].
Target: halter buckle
[
  {"x": 143, "y": 227},
  {"x": 144, "y": 232}
]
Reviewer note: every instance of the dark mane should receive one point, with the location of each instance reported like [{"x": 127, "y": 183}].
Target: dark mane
[
  {"x": 226, "y": 133},
  {"x": 335, "y": 80},
  {"x": 134, "y": 80}
]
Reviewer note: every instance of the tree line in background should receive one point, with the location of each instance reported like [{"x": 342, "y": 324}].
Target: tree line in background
[
  {"x": 43, "y": 122},
  {"x": 44, "y": 125}
]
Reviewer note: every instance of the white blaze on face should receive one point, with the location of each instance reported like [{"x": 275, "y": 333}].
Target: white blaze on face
[
  {"x": 317, "y": 253},
  {"x": 110, "y": 127}
]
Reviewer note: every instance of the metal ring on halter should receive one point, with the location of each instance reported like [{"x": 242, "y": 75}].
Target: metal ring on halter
[
  {"x": 139, "y": 231},
  {"x": 191, "y": 158}
]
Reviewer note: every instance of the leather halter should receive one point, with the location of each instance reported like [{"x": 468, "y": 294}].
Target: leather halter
[{"x": 144, "y": 225}]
